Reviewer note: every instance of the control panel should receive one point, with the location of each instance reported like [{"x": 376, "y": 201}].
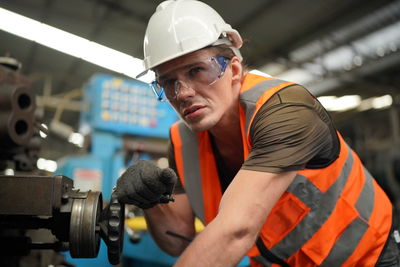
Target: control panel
[{"x": 126, "y": 106}]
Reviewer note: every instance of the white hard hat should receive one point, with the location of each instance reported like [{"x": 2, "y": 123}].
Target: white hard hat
[{"x": 179, "y": 27}]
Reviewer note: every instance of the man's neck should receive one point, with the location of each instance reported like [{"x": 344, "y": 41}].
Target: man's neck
[
  {"x": 228, "y": 144},
  {"x": 227, "y": 132}
]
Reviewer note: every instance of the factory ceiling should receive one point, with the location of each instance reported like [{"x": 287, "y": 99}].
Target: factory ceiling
[{"x": 334, "y": 47}]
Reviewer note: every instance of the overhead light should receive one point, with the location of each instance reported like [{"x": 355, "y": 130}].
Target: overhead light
[
  {"x": 76, "y": 139},
  {"x": 8, "y": 171},
  {"x": 72, "y": 44},
  {"x": 379, "y": 102},
  {"x": 382, "y": 102},
  {"x": 301, "y": 76},
  {"x": 343, "y": 103},
  {"x": 42, "y": 133},
  {"x": 347, "y": 102},
  {"x": 65, "y": 131},
  {"x": 46, "y": 164}
]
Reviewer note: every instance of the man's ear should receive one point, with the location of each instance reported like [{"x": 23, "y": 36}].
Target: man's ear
[{"x": 237, "y": 70}]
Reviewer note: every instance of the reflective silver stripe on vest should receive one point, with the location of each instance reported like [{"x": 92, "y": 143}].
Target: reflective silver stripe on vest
[
  {"x": 321, "y": 207},
  {"x": 191, "y": 170},
  {"x": 352, "y": 235},
  {"x": 364, "y": 204},
  {"x": 248, "y": 98}
]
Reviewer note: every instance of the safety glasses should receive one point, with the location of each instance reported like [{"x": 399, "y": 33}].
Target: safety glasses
[{"x": 202, "y": 73}]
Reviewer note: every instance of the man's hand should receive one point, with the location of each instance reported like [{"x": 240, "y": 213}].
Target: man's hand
[{"x": 145, "y": 185}]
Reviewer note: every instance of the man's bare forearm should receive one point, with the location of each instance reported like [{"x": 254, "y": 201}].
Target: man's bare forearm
[
  {"x": 175, "y": 217},
  {"x": 219, "y": 244},
  {"x": 243, "y": 210}
]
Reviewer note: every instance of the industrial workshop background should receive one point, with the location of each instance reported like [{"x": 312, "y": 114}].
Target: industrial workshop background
[{"x": 76, "y": 109}]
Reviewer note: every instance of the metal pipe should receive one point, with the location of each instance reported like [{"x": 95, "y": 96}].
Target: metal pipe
[
  {"x": 377, "y": 20},
  {"x": 329, "y": 84}
]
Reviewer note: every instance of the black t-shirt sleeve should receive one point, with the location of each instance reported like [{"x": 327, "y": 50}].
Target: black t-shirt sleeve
[{"x": 291, "y": 131}]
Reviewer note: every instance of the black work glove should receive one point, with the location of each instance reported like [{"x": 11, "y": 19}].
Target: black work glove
[{"x": 144, "y": 185}]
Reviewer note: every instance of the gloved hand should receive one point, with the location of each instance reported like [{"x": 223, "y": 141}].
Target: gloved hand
[{"x": 144, "y": 185}]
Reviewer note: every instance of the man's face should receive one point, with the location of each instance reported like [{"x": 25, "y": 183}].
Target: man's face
[{"x": 200, "y": 105}]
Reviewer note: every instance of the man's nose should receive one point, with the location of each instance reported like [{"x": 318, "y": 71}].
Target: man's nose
[{"x": 184, "y": 90}]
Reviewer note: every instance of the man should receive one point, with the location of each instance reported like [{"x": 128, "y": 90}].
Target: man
[{"x": 259, "y": 160}]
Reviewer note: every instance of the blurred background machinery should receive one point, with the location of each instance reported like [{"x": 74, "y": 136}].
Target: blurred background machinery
[
  {"x": 19, "y": 121},
  {"x": 41, "y": 213},
  {"x": 75, "y": 220}
]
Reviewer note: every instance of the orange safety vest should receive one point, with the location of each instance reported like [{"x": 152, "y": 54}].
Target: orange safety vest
[{"x": 332, "y": 216}]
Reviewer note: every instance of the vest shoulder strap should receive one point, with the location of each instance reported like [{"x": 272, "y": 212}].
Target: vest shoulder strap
[{"x": 251, "y": 99}]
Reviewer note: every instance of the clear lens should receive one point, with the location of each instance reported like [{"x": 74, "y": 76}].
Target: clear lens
[{"x": 203, "y": 73}]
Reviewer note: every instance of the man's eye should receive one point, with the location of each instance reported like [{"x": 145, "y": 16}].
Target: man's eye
[{"x": 196, "y": 70}]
